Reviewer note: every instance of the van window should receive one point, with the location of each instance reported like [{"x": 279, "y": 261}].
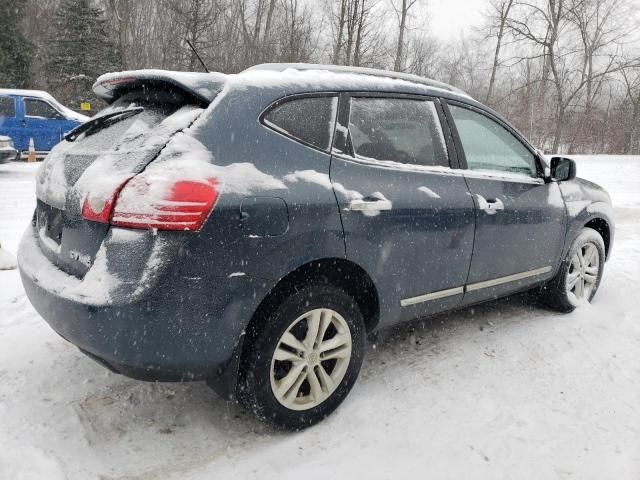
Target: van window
[
  {"x": 38, "y": 108},
  {"x": 7, "y": 107},
  {"x": 397, "y": 129},
  {"x": 310, "y": 120}
]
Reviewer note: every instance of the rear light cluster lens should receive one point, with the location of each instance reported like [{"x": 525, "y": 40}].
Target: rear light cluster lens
[{"x": 154, "y": 201}]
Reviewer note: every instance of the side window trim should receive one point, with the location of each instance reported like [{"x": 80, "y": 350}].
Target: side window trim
[
  {"x": 288, "y": 98},
  {"x": 460, "y": 150},
  {"x": 43, "y": 101},
  {"x": 344, "y": 147}
]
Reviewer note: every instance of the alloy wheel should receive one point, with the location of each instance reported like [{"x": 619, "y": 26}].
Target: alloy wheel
[
  {"x": 583, "y": 272},
  {"x": 311, "y": 359}
]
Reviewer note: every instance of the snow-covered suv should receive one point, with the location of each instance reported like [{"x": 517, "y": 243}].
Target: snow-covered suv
[{"x": 249, "y": 230}]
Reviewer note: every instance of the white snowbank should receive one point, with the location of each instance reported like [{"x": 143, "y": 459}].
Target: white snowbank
[
  {"x": 499, "y": 391},
  {"x": 7, "y": 260}
]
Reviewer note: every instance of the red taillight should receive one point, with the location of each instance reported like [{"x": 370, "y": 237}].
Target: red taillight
[
  {"x": 98, "y": 204},
  {"x": 156, "y": 201}
]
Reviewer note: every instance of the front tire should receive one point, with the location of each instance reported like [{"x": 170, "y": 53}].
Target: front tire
[
  {"x": 580, "y": 273},
  {"x": 303, "y": 358}
]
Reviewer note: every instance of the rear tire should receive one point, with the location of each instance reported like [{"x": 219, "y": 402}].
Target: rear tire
[
  {"x": 303, "y": 358},
  {"x": 580, "y": 273}
]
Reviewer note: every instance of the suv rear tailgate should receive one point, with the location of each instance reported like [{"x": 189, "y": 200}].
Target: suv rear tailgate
[{"x": 101, "y": 159}]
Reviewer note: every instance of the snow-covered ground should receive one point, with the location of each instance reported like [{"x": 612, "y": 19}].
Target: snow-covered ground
[{"x": 501, "y": 391}]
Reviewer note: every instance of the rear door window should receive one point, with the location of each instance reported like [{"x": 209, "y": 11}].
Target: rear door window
[
  {"x": 309, "y": 120},
  {"x": 7, "y": 107},
  {"x": 397, "y": 129},
  {"x": 38, "y": 108}
]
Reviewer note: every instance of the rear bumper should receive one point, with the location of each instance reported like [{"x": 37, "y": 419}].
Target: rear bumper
[{"x": 187, "y": 328}]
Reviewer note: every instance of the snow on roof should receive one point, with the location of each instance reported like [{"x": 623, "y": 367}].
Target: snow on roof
[
  {"x": 374, "y": 72},
  {"x": 321, "y": 78},
  {"x": 206, "y": 86},
  {"x": 203, "y": 85},
  {"x": 67, "y": 112}
]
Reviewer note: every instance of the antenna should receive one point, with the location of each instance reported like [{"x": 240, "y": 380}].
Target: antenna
[{"x": 198, "y": 56}]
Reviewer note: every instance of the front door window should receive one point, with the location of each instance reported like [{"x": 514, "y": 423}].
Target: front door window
[{"x": 488, "y": 146}]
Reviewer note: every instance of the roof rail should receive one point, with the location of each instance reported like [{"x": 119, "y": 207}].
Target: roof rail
[{"x": 409, "y": 77}]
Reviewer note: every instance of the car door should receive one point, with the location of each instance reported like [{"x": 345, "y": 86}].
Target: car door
[
  {"x": 9, "y": 122},
  {"x": 408, "y": 219},
  {"x": 43, "y": 123},
  {"x": 520, "y": 218}
]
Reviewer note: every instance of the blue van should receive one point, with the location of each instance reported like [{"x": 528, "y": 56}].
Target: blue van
[{"x": 26, "y": 114}]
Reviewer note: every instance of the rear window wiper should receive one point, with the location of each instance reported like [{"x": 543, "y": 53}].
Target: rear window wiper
[{"x": 103, "y": 121}]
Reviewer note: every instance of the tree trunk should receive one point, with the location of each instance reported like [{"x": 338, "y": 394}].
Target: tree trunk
[
  {"x": 340, "y": 27},
  {"x": 504, "y": 15},
  {"x": 397, "y": 66}
]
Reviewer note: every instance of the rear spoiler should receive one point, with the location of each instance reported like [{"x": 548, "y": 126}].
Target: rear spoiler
[{"x": 203, "y": 87}]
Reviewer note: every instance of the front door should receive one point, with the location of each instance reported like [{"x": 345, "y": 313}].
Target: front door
[
  {"x": 408, "y": 218},
  {"x": 520, "y": 219},
  {"x": 43, "y": 123}
]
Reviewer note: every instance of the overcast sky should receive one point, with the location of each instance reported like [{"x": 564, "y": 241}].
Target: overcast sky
[{"x": 449, "y": 17}]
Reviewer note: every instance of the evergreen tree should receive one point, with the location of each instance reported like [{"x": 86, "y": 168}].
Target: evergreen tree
[
  {"x": 80, "y": 50},
  {"x": 15, "y": 50}
]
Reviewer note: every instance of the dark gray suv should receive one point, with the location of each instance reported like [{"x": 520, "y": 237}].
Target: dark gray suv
[{"x": 249, "y": 230}]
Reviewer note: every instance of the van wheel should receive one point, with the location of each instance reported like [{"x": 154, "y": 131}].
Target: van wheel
[
  {"x": 580, "y": 273},
  {"x": 302, "y": 360}
]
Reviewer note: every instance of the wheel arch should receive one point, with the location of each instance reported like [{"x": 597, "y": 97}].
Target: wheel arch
[
  {"x": 344, "y": 274},
  {"x": 601, "y": 226}
]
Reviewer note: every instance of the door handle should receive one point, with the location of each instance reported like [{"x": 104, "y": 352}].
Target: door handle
[
  {"x": 491, "y": 206},
  {"x": 363, "y": 205}
]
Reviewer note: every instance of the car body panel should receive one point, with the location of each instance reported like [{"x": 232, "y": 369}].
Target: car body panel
[
  {"x": 526, "y": 237},
  {"x": 585, "y": 202}
]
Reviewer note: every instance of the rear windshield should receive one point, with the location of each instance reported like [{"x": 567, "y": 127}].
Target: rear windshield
[{"x": 118, "y": 147}]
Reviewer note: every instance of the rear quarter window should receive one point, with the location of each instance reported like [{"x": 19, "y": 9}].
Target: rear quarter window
[
  {"x": 7, "y": 107},
  {"x": 309, "y": 120}
]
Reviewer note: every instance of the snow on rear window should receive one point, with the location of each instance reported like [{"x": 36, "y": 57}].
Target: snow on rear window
[{"x": 105, "y": 159}]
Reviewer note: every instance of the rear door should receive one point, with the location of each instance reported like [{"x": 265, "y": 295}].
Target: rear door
[
  {"x": 9, "y": 122},
  {"x": 407, "y": 216},
  {"x": 520, "y": 219}
]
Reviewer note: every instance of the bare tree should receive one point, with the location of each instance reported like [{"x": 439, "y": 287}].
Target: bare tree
[
  {"x": 354, "y": 34},
  {"x": 497, "y": 22},
  {"x": 402, "y": 12},
  {"x": 631, "y": 80}
]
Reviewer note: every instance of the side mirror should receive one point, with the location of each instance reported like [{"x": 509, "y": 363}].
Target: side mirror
[{"x": 563, "y": 169}]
